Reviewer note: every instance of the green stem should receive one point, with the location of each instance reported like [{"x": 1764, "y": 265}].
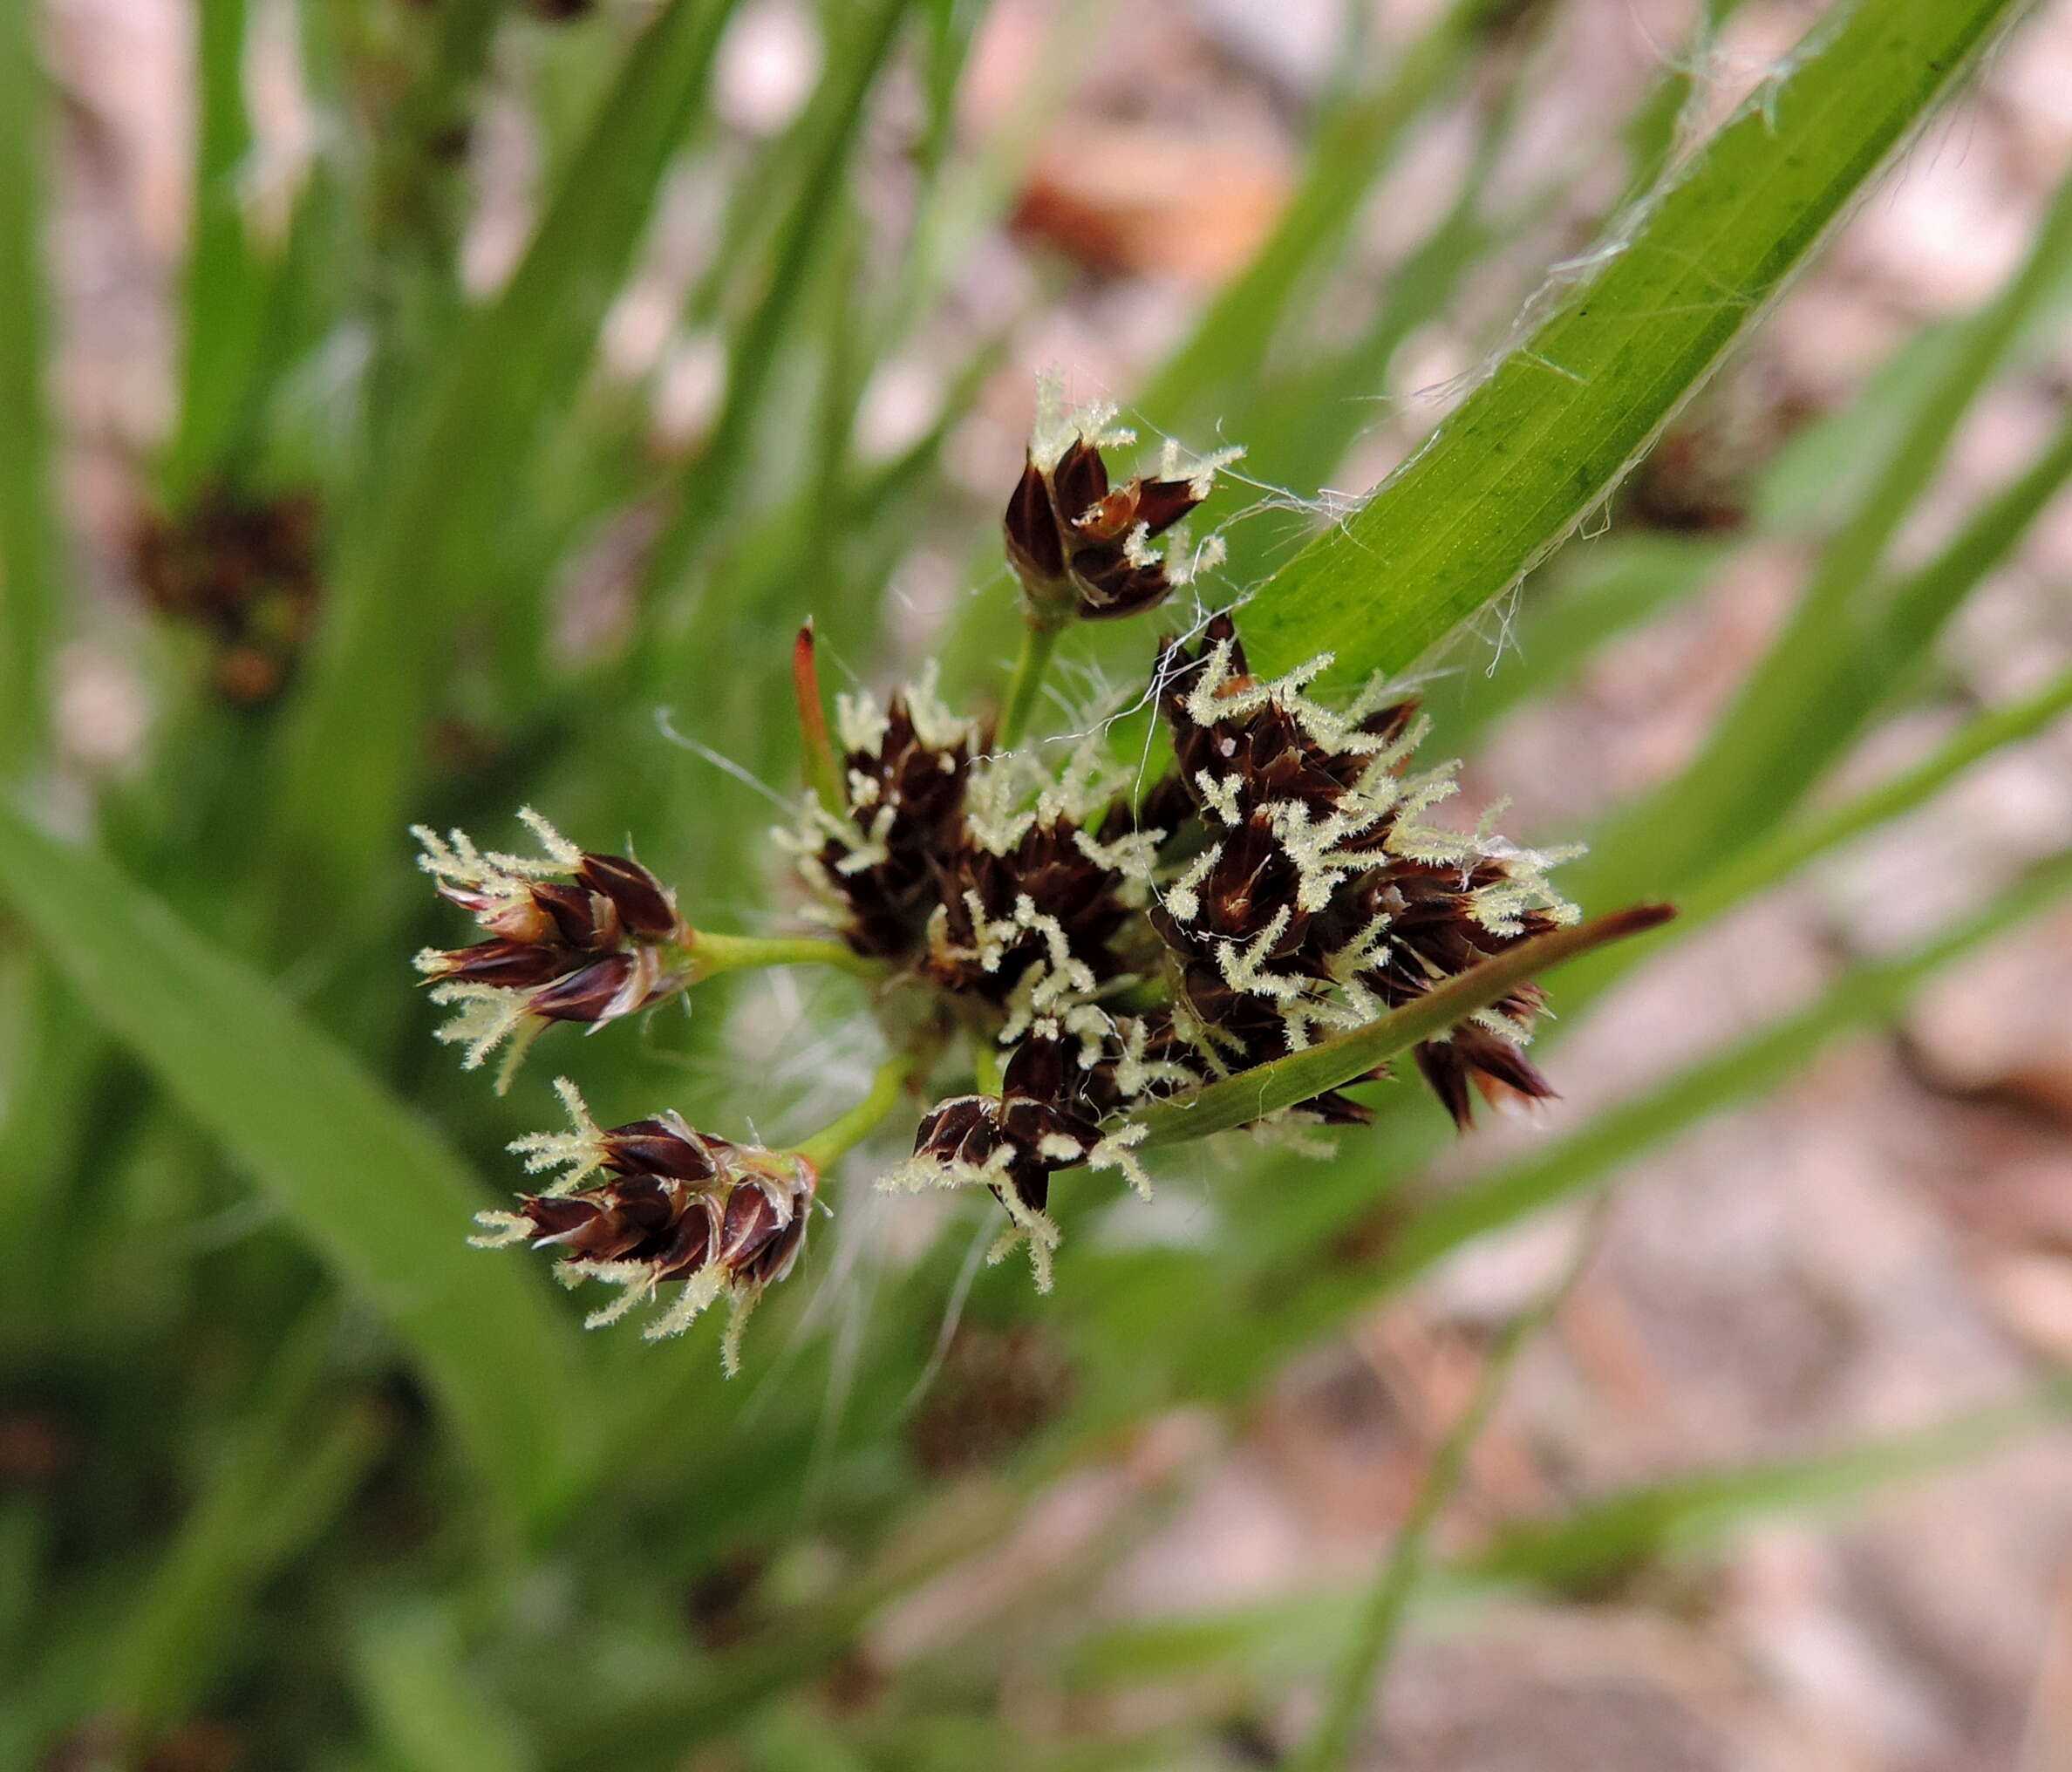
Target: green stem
[
  {"x": 1040, "y": 640},
  {"x": 1353, "y": 1697},
  {"x": 711, "y": 954},
  {"x": 839, "y": 1136}
]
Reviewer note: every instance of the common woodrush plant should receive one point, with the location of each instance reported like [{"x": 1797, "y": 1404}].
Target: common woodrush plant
[
  {"x": 971, "y": 827},
  {"x": 1082, "y": 946}
]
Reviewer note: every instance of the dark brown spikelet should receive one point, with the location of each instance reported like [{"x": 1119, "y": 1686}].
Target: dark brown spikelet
[
  {"x": 1321, "y": 881},
  {"x": 1070, "y": 532},
  {"x": 576, "y": 936},
  {"x": 997, "y": 1386},
  {"x": 656, "y": 1203},
  {"x": 876, "y": 864},
  {"x": 1047, "y": 892},
  {"x": 1079, "y": 543},
  {"x": 243, "y": 570},
  {"x": 1435, "y": 935},
  {"x": 1012, "y": 1143}
]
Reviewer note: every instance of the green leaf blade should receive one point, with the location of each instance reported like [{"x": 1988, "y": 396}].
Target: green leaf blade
[
  {"x": 377, "y": 1195},
  {"x": 28, "y": 543},
  {"x": 1539, "y": 444},
  {"x": 358, "y": 731}
]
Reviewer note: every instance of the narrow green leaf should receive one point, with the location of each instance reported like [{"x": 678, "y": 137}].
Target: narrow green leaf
[
  {"x": 426, "y": 1708},
  {"x": 1354, "y": 146},
  {"x": 1363, "y": 1665},
  {"x": 1759, "y": 866},
  {"x": 296, "y": 1462},
  {"x": 1920, "y": 604},
  {"x": 226, "y": 283},
  {"x": 355, "y": 1173},
  {"x": 1575, "y": 1551},
  {"x": 1604, "y": 1537},
  {"x": 757, "y": 348},
  {"x": 1866, "y": 993},
  {"x": 1814, "y": 688},
  {"x": 358, "y": 731},
  {"x": 1346, "y": 1058},
  {"x": 24, "y": 1536},
  {"x": 28, "y": 590},
  {"x": 1646, "y": 319}
]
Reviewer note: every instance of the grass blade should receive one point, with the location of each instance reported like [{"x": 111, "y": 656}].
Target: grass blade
[
  {"x": 427, "y": 1710},
  {"x": 1815, "y": 688},
  {"x": 359, "y": 1176},
  {"x": 1866, "y": 993},
  {"x": 1357, "y": 141},
  {"x": 296, "y": 1463},
  {"x": 1366, "y": 1663},
  {"x": 757, "y": 350},
  {"x": 1920, "y": 604},
  {"x": 1579, "y": 1552},
  {"x": 1649, "y": 315},
  {"x": 28, "y": 590},
  {"x": 227, "y": 285},
  {"x": 1602, "y": 1540},
  {"x": 359, "y": 728},
  {"x": 1760, "y": 866}
]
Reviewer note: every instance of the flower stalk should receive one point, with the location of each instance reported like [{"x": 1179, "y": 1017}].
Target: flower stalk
[
  {"x": 1040, "y": 641},
  {"x": 1129, "y": 967},
  {"x": 707, "y": 954}
]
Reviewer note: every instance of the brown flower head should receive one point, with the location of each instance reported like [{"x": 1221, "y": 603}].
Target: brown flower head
[
  {"x": 1046, "y": 1117},
  {"x": 573, "y": 937},
  {"x": 655, "y": 1203},
  {"x": 1079, "y": 543},
  {"x": 1038, "y": 902},
  {"x": 245, "y": 571},
  {"x": 1323, "y": 896},
  {"x": 873, "y": 864}
]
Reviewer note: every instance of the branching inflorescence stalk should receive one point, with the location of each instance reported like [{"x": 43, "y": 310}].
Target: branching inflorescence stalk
[{"x": 1264, "y": 928}]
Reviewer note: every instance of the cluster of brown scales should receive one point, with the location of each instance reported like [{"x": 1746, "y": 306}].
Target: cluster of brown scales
[
  {"x": 1281, "y": 883},
  {"x": 1036, "y": 919}
]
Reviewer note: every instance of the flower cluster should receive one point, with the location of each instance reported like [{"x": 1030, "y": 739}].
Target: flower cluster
[
  {"x": 1321, "y": 895},
  {"x": 1059, "y": 943},
  {"x": 243, "y": 571},
  {"x": 1282, "y": 882},
  {"x": 1082, "y": 545},
  {"x": 573, "y": 937},
  {"x": 654, "y": 1203}
]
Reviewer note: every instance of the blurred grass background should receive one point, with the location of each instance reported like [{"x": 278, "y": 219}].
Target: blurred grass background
[{"x": 413, "y": 410}]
